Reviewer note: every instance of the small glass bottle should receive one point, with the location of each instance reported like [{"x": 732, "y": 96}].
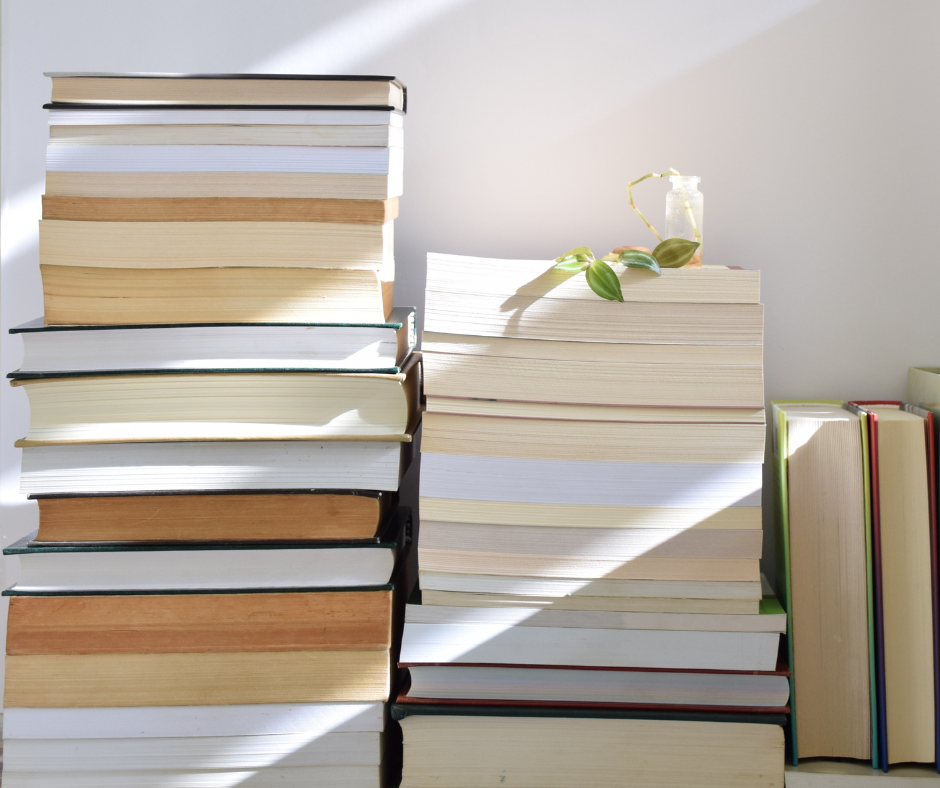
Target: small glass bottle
[{"x": 684, "y": 195}]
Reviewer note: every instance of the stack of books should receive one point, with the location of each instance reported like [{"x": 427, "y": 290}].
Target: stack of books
[
  {"x": 591, "y": 602},
  {"x": 856, "y": 512},
  {"x": 222, "y": 408}
]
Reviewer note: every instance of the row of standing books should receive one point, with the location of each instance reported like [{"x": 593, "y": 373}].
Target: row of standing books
[{"x": 856, "y": 511}]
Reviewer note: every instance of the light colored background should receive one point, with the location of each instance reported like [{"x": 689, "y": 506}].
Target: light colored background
[{"x": 814, "y": 126}]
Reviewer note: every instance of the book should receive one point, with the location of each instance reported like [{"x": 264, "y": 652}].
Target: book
[
  {"x": 197, "y": 466},
  {"x": 560, "y": 750},
  {"x": 295, "y": 185},
  {"x": 636, "y": 687},
  {"x": 157, "y": 623},
  {"x": 587, "y": 515},
  {"x": 305, "y": 90},
  {"x": 553, "y": 587},
  {"x": 625, "y": 604},
  {"x": 125, "y": 296},
  {"x": 293, "y": 777},
  {"x": 130, "y": 566},
  {"x": 534, "y": 300},
  {"x": 851, "y": 774},
  {"x": 825, "y": 540},
  {"x": 115, "y": 115},
  {"x": 579, "y": 542},
  {"x": 593, "y": 383},
  {"x": 610, "y": 351},
  {"x": 556, "y": 646},
  {"x": 161, "y": 245},
  {"x": 450, "y": 277},
  {"x": 299, "y": 159},
  {"x": 221, "y": 406},
  {"x": 216, "y": 209},
  {"x": 587, "y": 570},
  {"x": 312, "y": 347},
  {"x": 467, "y": 406},
  {"x": 159, "y": 722},
  {"x": 584, "y": 321},
  {"x": 505, "y": 436},
  {"x": 214, "y": 133},
  {"x": 771, "y": 618},
  {"x": 242, "y": 516},
  {"x": 904, "y": 521},
  {"x": 209, "y": 678},
  {"x": 50, "y": 757},
  {"x": 587, "y": 482}
]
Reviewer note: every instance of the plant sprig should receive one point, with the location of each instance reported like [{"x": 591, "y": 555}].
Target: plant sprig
[{"x": 671, "y": 253}]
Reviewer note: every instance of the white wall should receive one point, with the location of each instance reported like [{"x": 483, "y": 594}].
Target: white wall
[{"x": 814, "y": 126}]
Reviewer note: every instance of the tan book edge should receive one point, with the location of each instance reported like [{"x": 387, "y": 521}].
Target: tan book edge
[
  {"x": 589, "y": 383},
  {"x": 111, "y": 296},
  {"x": 373, "y": 136},
  {"x": 521, "y": 283},
  {"x": 614, "y": 351},
  {"x": 88, "y": 89},
  {"x": 599, "y": 603},
  {"x": 575, "y": 516},
  {"x": 79, "y": 680},
  {"x": 555, "y": 751},
  {"x": 642, "y": 568},
  {"x": 256, "y": 517},
  {"x": 223, "y": 184},
  {"x": 586, "y": 320},
  {"x": 606, "y": 413},
  {"x": 129, "y": 245},
  {"x": 578, "y": 543},
  {"x": 587, "y": 440},
  {"x": 198, "y": 623},
  {"x": 88, "y": 403},
  {"x": 217, "y": 209}
]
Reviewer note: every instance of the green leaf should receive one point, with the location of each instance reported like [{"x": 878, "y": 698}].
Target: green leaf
[
  {"x": 675, "y": 252},
  {"x": 573, "y": 265},
  {"x": 610, "y": 257},
  {"x": 634, "y": 258},
  {"x": 603, "y": 281},
  {"x": 578, "y": 252}
]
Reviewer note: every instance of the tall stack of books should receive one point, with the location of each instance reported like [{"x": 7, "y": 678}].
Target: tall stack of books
[
  {"x": 591, "y": 608},
  {"x": 222, "y": 406}
]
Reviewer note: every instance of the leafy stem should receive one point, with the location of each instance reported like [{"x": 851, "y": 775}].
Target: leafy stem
[{"x": 671, "y": 253}]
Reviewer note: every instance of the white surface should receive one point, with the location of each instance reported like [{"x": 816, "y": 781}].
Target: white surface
[
  {"x": 207, "y": 752},
  {"x": 313, "y": 719},
  {"x": 813, "y": 126},
  {"x": 221, "y": 158},
  {"x": 578, "y": 619},
  {"x": 204, "y": 569},
  {"x": 228, "y": 347},
  {"x": 211, "y": 465},
  {"x": 598, "y": 686},
  {"x": 638, "y": 648},
  {"x": 290, "y": 777},
  {"x": 712, "y": 485}
]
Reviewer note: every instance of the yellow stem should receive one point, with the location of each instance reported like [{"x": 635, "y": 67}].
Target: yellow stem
[{"x": 639, "y": 213}]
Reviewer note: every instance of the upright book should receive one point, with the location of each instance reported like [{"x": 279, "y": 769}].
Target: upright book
[
  {"x": 904, "y": 525},
  {"x": 824, "y": 571}
]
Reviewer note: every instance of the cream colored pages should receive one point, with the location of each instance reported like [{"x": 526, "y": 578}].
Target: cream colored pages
[
  {"x": 828, "y": 581},
  {"x": 906, "y": 586}
]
